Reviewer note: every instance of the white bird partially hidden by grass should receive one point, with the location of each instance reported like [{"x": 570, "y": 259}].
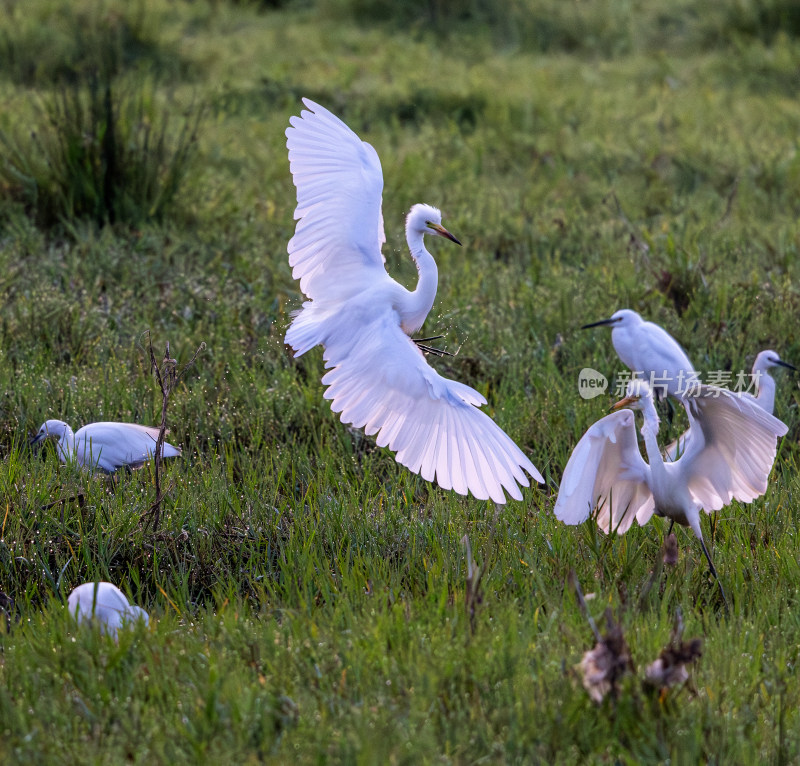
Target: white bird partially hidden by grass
[
  {"x": 729, "y": 457},
  {"x": 650, "y": 352},
  {"x": 763, "y": 381},
  {"x": 105, "y": 605},
  {"x": 108, "y": 446},
  {"x": 764, "y": 384},
  {"x": 378, "y": 379}
]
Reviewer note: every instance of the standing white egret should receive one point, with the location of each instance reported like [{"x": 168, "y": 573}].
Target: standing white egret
[
  {"x": 764, "y": 382},
  {"x": 764, "y": 398},
  {"x": 649, "y": 351},
  {"x": 105, "y": 604},
  {"x": 729, "y": 457},
  {"x": 378, "y": 379},
  {"x": 107, "y": 446}
]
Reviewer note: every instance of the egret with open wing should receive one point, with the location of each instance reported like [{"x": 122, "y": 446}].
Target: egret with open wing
[
  {"x": 730, "y": 456},
  {"x": 765, "y": 396},
  {"x": 378, "y": 379}
]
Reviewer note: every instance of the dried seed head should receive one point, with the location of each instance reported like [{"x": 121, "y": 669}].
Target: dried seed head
[{"x": 603, "y": 666}]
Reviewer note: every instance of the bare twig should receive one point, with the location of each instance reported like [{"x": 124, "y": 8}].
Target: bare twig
[
  {"x": 475, "y": 573},
  {"x": 573, "y": 581},
  {"x": 473, "y": 597},
  {"x": 167, "y": 377}
]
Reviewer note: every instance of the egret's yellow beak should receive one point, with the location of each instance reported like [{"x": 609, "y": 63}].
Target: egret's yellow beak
[
  {"x": 437, "y": 228},
  {"x": 628, "y": 400}
]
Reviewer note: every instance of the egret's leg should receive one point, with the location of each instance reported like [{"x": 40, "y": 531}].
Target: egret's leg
[
  {"x": 714, "y": 572},
  {"x": 694, "y": 523},
  {"x": 671, "y": 525}
]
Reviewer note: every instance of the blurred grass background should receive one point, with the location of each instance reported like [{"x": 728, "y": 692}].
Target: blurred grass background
[{"x": 307, "y": 594}]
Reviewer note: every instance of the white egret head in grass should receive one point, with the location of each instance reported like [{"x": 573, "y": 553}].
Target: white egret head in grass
[
  {"x": 378, "y": 378},
  {"x": 106, "y": 446},
  {"x": 729, "y": 458},
  {"x": 105, "y": 605}
]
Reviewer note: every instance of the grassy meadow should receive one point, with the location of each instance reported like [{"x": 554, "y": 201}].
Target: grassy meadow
[{"x": 308, "y": 596}]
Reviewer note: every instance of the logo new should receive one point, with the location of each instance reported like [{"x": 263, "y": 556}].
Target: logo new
[{"x": 591, "y": 383}]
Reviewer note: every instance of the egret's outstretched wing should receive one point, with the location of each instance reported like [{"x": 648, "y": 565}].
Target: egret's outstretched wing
[
  {"x": 731, "y": 450},
  {"x": 380, "y": 382},
  {"x": 606, "y": 471},
  {"x": 110, "y": 446},
  {"x": 339, "y": 186},
  {"x": 679, "y": 446}
]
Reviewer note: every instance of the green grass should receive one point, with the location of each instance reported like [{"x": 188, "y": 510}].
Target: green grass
[{"x": 307, "y": 595}]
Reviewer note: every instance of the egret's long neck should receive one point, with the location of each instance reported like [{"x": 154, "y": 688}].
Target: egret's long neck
[
  {"x": 66, "y": 445},
  {"x": 417, "y": 309},
  {"x": 765, "y": 386},
  {"x": 649, "y": 432}
]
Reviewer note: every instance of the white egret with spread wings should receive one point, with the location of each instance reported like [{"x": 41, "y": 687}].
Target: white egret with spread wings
[
  {"x": 377, "y": 378},
  {"x": 730, "y": 456}
]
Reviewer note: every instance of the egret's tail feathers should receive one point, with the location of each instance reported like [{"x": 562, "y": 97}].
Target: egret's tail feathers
[{"x": 170, "y": 450}]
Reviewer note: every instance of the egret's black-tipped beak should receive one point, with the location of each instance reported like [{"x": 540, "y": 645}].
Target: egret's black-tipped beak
[
  {"x": 437, "y": 228},
  {"x": 36, "y": 439},
  {"x": 786, "y": 365},
  {"x": 600, "y": 323}
]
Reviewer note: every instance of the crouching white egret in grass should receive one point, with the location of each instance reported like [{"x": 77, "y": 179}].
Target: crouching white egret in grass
[
  {"x": 765, "y": 395},
  {"x": 104, "y": 604},
  {"x": 107, "y": 446},
  {"x": 650, "y": 352},
  {"x": 729, "y": 457},
  {"x": 378, "y": 379}
]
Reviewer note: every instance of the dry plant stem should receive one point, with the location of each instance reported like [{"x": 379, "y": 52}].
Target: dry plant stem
[
  {"x": 167, "y": 377},
  {"x": 475, "y": 573},
  {"x": 573, "y": 579}
]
